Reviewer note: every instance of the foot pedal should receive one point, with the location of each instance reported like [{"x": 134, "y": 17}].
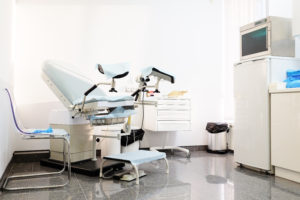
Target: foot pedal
[
  {"x": 118, "y": 175},
  {"x": 132, "y": 176}
]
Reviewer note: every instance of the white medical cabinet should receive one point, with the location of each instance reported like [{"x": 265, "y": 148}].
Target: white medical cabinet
[
  {"x": 251, "y": 129},
  {"x": 164, "y": 115},
  {"x": 285, "y": 132}
]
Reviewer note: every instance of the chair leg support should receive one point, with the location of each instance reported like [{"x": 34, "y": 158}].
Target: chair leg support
[
  {"x": 167, "y": 165},
  {"x": 69, "y": 160},
  {"x": 43, "y": 174}
]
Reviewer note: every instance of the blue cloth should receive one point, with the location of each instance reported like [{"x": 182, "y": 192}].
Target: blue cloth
[
  {"x": 293, "y": 84},
  {"x": 293, "y": 79},
  {"x": 138, "y": 157},
  {"x": 116, "y": 113},
  {"x": 292, "y": 75},
  {"x": 49, "y": 130}
]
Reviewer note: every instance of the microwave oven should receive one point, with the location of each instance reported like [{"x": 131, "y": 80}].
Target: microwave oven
[{"x": 271, "y": 36}]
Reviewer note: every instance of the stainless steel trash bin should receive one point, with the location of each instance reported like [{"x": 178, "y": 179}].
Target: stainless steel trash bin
[{"x": 217, "y": 137}]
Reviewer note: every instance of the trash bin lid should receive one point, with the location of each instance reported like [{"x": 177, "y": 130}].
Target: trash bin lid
[{"x": 217, "y": 127}]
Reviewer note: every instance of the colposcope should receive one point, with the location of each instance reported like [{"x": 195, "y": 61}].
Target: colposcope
[{"x": 144, "y": 78}]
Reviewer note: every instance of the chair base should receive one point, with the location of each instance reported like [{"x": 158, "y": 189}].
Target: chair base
[
  {"x": 87, "y": 167},
  {"x": 66, "y": 165}
]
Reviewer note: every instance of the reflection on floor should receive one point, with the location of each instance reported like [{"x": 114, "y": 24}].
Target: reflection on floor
[{"x": 205, "y": 176}]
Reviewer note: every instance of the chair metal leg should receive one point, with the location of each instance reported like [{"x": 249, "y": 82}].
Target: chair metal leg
[
  {"x": 167, "y": 165},
  {"x": 43, "y": 174}
]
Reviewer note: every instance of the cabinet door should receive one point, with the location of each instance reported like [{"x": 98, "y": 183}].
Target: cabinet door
[
  {"x": 285, "y": 130},
  {"x": 251, "y": 135}
]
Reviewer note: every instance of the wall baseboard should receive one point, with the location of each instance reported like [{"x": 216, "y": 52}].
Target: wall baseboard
[
  {"x": 30, "y": 156},
  {"x": 191, "y": 148},
  {"x": 196, "y": 147},
  {"x": 6, "y": 173}
]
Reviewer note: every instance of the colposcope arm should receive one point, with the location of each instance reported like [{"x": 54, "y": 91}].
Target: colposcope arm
[{"x": 136, "y": 94}]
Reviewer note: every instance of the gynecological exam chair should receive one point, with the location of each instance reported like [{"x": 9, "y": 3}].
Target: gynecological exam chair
[
  {"x": 87, "y": 108},
  {"x": 86, "y": 101}
]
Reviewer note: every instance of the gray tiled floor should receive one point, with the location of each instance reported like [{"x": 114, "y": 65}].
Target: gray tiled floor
[{"x": 204, "y": 176}]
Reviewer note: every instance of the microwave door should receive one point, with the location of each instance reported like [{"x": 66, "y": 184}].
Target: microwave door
[{"x": 255, "y": 42}]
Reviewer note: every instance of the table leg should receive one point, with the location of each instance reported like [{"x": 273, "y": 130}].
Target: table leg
[{"x": 167, "y": 165}]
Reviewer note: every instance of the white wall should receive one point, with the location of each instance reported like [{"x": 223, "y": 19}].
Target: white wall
[
  {"x": 184, "y": 37},
  {"x": 6, "y": 80},
  {"x": 280, "y": 8},
  {"x": 296, "y": 18},
  {"x": 296, "y": 26}
]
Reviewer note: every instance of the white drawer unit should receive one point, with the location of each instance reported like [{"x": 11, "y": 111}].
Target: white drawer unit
[
  {"x": 177, "y": 115},
  {"x": 167, "y": 115},
  {"x": 285, "y": 133},
  {"x": 164, "y": 115},
  {"x": 173, "y": 126}
]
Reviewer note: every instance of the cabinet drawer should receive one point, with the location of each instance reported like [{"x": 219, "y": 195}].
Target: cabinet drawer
[
  {"x": 173, "y": 107},
  {"x": 173, "y": 125},
  {"x": 173, "y": 115},
  {"x": 173, "y": 102}
]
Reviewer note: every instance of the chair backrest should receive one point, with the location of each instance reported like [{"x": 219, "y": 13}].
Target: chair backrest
[
  {"x": 70, "y": 84},
  {"x": 14, "y": 113}
]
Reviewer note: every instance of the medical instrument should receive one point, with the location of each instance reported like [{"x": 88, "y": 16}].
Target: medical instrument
[
  {"x": 143, "y": 80},
  {"x": 136, "y": 158},
  {"x": 52, "y": 134},
  {"x": 161, "y": 114},
  {"x": 271, "y": 36}
]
